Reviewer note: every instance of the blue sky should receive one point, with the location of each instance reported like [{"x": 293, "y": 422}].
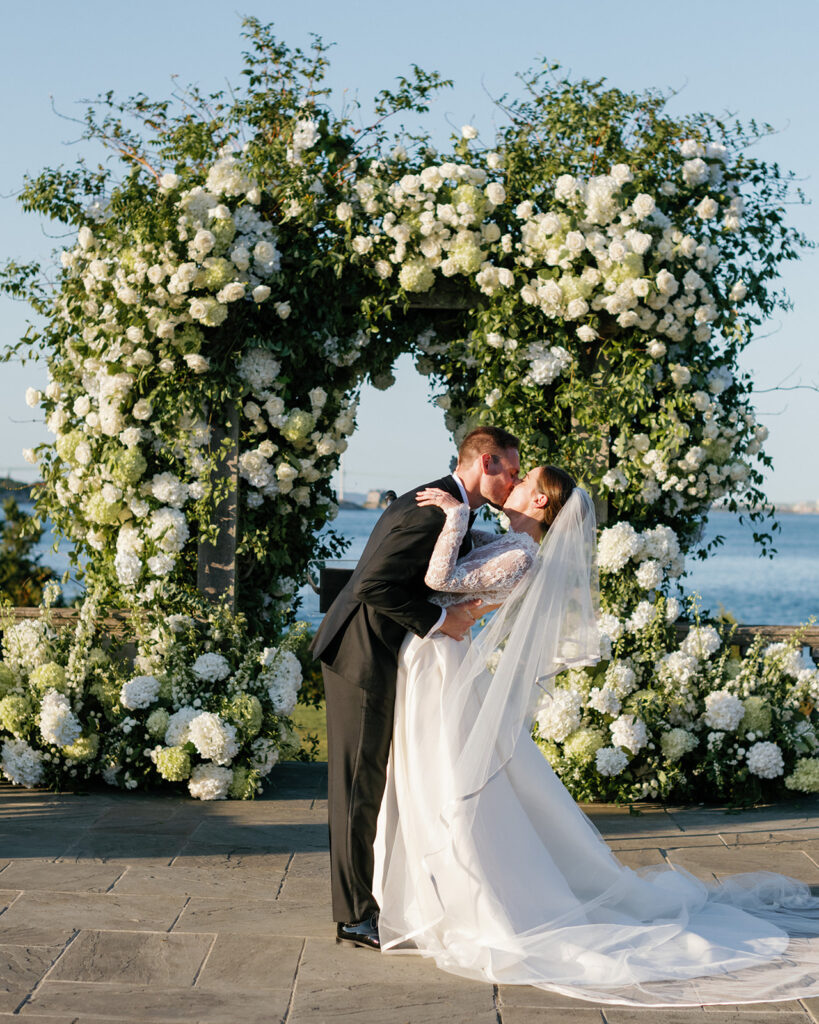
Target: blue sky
[{"x": 748, "y": 57}]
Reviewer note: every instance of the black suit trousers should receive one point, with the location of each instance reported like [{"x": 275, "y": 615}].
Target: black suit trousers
[{"x": 359, "y": 732}]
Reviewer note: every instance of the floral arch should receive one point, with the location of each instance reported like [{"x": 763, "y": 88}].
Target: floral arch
[{"x": 588, "y": 282}]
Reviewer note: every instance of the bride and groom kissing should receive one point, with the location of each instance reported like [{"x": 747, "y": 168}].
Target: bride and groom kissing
[{"x": 450, "y": 835}]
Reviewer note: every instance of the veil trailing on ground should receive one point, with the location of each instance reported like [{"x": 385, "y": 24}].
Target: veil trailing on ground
[{"x": 548, "y": 624}]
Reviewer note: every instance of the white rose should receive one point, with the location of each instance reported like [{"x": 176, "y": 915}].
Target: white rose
[
  {"x": 260, "y": 293},
  {"x": 344, "y": 211},
  {"x": 468, "y": 132}
]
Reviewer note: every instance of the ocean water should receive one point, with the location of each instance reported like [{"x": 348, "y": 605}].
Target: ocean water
[
  {"x": 783, "y": 590},
  {"x": 780, "y": 590}
]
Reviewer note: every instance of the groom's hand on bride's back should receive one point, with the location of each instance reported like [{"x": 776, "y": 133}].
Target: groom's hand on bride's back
[{"x": 460, "y": 618}]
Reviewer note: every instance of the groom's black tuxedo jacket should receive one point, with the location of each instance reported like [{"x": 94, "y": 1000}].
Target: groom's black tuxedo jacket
[{"x": 386, "y": 596}]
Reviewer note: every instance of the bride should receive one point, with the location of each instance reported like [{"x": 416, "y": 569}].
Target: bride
[{"x": 483, "y": 860}]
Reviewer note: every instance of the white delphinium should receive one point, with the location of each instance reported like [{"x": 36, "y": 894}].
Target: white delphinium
[
  {"x": 21, "y": 764},
  {"x": 610, "y": 761},
  {"x": 139, "y": 692},
  {"x": 58, "y": 723},
  {"x": 788, "y": 658},
  {"x": 283, "y": 678},
  {"x": 209, "y": 782},
  {"x": 630, "y": 732},
  {"x": 211, "y": 667},
  {"x": 213, "y": 738},
  {"x": 765, "y": 760},
  {"x": 560, "y": 716},
  {"x": 177, "y": 731},
  {"x": 723, "y": 711}
]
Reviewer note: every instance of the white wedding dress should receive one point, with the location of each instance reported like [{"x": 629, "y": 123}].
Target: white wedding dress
[{"x": 513, "y": 885}]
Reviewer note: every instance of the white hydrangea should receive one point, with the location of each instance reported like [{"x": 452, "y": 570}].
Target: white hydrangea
[
  {"x": 630, "y": 732},
  {"x": 677, "y": 742},
  {"x": 673, "y": 609},
  {"x": 213, "y": 738},
  {"x": 604, "y": 700},
  {"x": 169, "y": 489},
  {"x": 58, "y": 723},
  {"x": 617, "y": 544},
  {"x": 259, "y": 369},
  {"x": 177, "y": 731},
  {"x": 21, "y": 764},
  {"x": 723, "y": 711},
  {"x": 649, "y": 574},
  {"x": 560, "y": 716},
  {"x": 211, "y": 667},
  {"x": 610, "y": 760},
  {"x": 139, "y": 692},
  {"x": 610, "y": 626},
  {"x": 642, "y": 616},
  {"x": 169, "y": 528},
  {"x": 677, "y": 667},
  {"x": 702, "y": 642},
  {"x": 209, "y": 782},
  {"x": 621, "y": 678},
  {"x": 25, "y": 645},
  {"x": 765, "y": 760}
]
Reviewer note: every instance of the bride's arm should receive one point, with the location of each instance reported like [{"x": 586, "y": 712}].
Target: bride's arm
[{"x": 497, "y": 567}]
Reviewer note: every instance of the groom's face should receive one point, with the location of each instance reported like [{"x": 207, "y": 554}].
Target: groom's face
[{"x": 500, "y": 474}]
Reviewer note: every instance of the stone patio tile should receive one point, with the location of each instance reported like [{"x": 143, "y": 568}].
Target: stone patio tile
[
  {"x": 36, "y": 1018},
  {"x": 520, "y": 996},
  {"x": 266, "y": 962},
  {"x": 256, "y": 917},
  {"x": 21, "y": 967},
  {"x": 535, "y": 1015},
  {"x": 640, "y": 858},
  {"x": 221, "y": 879},
  {"x": 663, "y": 841},
  {"x": 289, "y": 837},
  {"x": 250, "y": 861},
  {"x": 791, "y": 1006},
  {"x": 71, "y": 912},
  {"x": 147, "y": 1004},
  {"x": 770, "y": 836},
  {"x": 695, "y": 1015},
  {"x": 252, "y": 813},
  {"x": 107, "y": 846},
  {"x": 340, "y": 982},
  {"x": 731, "y": 861},
  {"x": 61, "y": 876},
  {"x": 7, "y": 897},
  {"x": 40, "y": 843},
  {"x": 140, "y": 958}
]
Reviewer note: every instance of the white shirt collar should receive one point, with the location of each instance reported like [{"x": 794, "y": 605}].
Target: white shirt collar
[{"x": 461, "y": 488}]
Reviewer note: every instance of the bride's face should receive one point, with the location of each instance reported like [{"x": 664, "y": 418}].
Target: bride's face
[{"x": 524, "y": 494}]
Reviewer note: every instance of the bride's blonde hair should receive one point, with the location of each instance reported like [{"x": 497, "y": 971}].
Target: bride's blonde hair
[{"x": 557, "y": 485}]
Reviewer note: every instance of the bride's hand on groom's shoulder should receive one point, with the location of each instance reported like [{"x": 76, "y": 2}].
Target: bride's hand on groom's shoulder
[{"x": 435, "y": 496}]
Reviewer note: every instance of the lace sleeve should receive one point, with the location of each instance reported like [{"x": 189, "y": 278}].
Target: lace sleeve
[
  {"x": 445, "y": 553},
  {"x": 481, "y": 537},
  {"x": 495, "y": 566}
]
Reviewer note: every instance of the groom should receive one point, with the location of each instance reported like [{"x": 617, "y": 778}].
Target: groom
[{"x": 358, "y": 644}]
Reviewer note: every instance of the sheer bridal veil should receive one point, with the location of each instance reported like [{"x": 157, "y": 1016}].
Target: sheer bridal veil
[{"x": 547, "y": 624}]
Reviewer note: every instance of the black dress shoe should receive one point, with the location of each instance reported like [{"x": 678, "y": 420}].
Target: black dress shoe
[{"x": 360, "y": 933}]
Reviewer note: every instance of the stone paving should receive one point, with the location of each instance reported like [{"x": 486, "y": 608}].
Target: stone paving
[{"x": 123, "y": 909}]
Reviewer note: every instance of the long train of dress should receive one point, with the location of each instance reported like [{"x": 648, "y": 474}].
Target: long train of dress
[{"x": 516, "y": 886}]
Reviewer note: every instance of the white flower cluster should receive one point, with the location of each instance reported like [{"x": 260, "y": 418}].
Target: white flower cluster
[
  {"x": 211, "y": 667},
  {"x": 560, "y": 715},
  {"x": 213, "y": 738},
  {"x": 630, "y": 732},
  {"x": 656, "y": 553},
  {"x": 765, "y": 760},
  {"x": 58, "y": 723},
  {"x": 283, "y": 678},
  {"x": 139, "y": 692},
  {"x": 209, "y": 782},
  {"x": 723, "y": 711},
  {"x": 21, "y": 764}
]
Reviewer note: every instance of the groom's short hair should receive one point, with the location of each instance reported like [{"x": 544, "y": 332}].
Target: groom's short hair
[{"x": 485, "y": 439}]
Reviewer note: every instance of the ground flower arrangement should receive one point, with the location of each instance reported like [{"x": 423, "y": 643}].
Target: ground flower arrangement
[
  {"x": 205, "y": 706},
  {"x": 683, "y": 719}
]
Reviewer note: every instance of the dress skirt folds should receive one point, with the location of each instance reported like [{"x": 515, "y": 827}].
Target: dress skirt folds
[{"x": 513, "y": 885}]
